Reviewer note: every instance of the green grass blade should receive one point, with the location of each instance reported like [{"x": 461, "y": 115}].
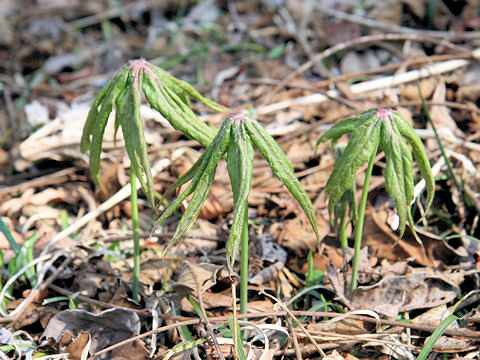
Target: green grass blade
[
  {"x": 234, "y": 324},
  {"x": 8, "y": 235},
  {"x": 281, "y": 168},
  {"x": 427, "y": 348}
]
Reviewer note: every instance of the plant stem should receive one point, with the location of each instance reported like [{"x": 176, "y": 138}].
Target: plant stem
[
  {"x": 359, "y": 226},
  {"x": 244, "y": 266},
  {"x": 136, "y": 235}
]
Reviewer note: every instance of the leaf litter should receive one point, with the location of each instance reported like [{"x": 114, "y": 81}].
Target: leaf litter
[{"x": 45, "y": 187}]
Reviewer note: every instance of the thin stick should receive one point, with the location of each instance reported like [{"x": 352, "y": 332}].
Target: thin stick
[
  {"x": 348, "y": 44},
  {"x": 307, "y": 334},
  {"x": 425, "y": 328},
  {"x": 366, "y": 86},
  {"x": 449, "y": 35}
]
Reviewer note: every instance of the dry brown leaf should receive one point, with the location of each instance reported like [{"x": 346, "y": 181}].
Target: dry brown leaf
[
  {"x": 410, "y": 91},
  {"x": 433, "y": 316},
  {"x": 105, "y": 329},
  {"x": 440, "y": 114},
  {"x": 333, "y": 356},
  {"x": 197, "y": 278},
  {"x": 418, "y": 290},
  {"x": 296, "y": 234}
]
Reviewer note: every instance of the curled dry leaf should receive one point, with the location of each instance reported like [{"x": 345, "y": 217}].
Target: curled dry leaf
[{"x": 198, "y": 278}]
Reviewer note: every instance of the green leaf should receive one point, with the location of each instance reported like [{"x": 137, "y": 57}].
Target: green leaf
[
  {"x": 347, "y": 200},
  {"x": 363, "y": 142},
  {"x": 276, "y": 52},
  {"x": 24, "y": 257},
  {"x": 101, "y": 119},
  {"x": 420, "y": 156},
  {"x": 89, "y": 126},
  {"x": 178, "y": 114},
  {"x": 430, "y": 343},
  {"x": 398, "y": 171},
  {"x": 195, "y": 205},
  {"x": 8, "y": 235},
  {"x": 133, "y": 112},
  {"x": 240, "y": 170},
  {"x": 125, "y": 105},
  {"x": 343, "y": 127},
  {"x": 281, "y": 168},
  {"x": 206, "y": 166},
  {"x": 188, "y": 89}
]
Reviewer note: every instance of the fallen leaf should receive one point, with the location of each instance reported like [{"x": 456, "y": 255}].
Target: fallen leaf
[
  {"x": 418, "y": 290},
  {"x": 105, "y": 329}
]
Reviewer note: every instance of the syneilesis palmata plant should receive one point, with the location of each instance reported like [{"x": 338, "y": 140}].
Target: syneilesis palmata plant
[
  {"x": 166, "y": 94},
  {"x": 370, "y": 130},
  {"x": 238, "y": 136}
]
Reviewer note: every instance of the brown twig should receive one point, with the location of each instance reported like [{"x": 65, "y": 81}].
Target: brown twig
[
  {"x": 348, "y": 44},
  {"x": 444, "y": 35},
  {"x": 424, "y": 328}
]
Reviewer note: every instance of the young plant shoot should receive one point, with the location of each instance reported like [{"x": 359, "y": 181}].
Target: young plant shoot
[
  {"x": 237, "y": 138},
  {"x": 370, "y": 130},
  {"x": 166, "y": 94}
]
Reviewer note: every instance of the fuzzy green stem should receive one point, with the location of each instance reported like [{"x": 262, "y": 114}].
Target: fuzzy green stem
[
  {"x": 359, "y": 226},
  {"x": 244, "y": 266},
  {"x": 136, "y": 235},
  {"x": 342, "y": 234}
]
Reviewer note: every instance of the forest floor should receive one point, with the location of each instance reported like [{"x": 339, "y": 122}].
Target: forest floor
[{"x": 300, "y": 67}]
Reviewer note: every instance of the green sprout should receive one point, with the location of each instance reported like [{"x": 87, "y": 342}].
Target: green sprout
[
  {"x": 166, "y": 94},
  {"x": 237, "y": 138},
  {"x": 370, "y": 130}
]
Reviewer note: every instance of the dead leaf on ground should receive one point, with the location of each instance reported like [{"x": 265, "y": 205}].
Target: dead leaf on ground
[
  {"x": 418, "y": 290},
  {"x": 105, "y": 329},
  {"x": 198, "y": 277}
]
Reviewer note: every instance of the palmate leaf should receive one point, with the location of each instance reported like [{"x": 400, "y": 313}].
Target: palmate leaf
[
  {"x": 281, "y": 168},
  {"x": 398, "y": 172},
  {"x": 240, "y": 156},
  {"x": 363, "y": 142}
]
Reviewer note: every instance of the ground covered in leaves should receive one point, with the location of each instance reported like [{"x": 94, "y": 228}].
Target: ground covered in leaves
[{"x": 302, "y": 66}]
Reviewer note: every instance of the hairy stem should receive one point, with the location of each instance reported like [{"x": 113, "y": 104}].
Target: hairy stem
[
  {"x": 244, "y": 266},
  {"x": 359, "y": 226},
  {"x": 136, "y": 235}
]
